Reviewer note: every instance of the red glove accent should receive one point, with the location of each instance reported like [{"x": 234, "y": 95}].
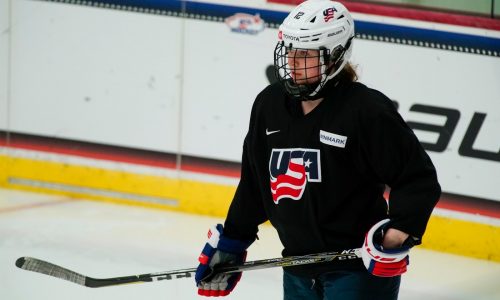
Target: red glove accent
[{"x": 379, "y": 261}]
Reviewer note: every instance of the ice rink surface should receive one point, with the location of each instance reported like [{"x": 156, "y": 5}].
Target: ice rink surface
[{"x": 107, "y": 240}]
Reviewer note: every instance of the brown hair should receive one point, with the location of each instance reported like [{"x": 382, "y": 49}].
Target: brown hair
[{"x": 348, "y": 73}]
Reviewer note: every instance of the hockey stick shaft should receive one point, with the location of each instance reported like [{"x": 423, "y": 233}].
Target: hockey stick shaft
[{"x": 47, "y": 268}]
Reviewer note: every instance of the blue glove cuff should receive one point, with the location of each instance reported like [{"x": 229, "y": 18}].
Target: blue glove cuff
[{"x": 233, "y": 246}]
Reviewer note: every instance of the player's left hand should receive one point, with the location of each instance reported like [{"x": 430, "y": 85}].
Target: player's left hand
[{"x": 384, "y": 252}]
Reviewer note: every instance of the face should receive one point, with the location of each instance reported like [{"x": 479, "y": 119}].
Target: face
[{"x": 304, "y": 66}]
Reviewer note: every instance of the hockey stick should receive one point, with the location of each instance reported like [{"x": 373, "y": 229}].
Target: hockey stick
[{"x": 47, "y": 268}]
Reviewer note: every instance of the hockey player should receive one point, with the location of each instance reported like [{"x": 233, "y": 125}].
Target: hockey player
[{"x": 319, "y": 151}]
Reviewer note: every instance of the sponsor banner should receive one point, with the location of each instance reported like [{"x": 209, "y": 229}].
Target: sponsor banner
[{"x": 245, "y": 23}]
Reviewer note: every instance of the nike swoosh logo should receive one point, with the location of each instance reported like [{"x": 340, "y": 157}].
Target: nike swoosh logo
[{"x": 271, "y": 132}]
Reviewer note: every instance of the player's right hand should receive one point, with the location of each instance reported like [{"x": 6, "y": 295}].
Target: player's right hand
[{"x": 219, "y": 250}]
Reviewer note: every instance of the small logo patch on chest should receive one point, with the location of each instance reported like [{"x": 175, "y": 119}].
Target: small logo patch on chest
[{"x": 332, "y": 139}]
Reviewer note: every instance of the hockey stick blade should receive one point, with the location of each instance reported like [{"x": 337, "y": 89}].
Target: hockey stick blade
[{"x": 47, "y": 268}]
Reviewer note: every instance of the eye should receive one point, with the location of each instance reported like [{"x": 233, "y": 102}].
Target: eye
[{"x": 301, "y": 53}]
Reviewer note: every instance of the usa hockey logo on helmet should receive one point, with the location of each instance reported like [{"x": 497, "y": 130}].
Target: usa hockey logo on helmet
[
  {"x": 328, "y": 13},
  {"x": 291, "y": 169},
  {"x": 317, "y": 24}
]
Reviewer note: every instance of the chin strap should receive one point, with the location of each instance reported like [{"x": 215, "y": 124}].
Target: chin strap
[{"x": 301, "y": 92}]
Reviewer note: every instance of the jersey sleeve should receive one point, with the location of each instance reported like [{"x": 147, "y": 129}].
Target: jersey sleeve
[
  {"x": 246, "y": 211},
  {"x": 392, "y": 154}
]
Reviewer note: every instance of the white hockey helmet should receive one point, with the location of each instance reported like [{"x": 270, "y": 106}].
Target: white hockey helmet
[{"x": 323, "y": 25}]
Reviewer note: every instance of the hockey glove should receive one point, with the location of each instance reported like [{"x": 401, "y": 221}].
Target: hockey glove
[
  {"x": 219, "y": 250},
  {"x": 383, "y": 262}
]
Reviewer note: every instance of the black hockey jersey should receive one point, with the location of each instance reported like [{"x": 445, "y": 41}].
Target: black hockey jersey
[{"x": 319, "y": 178}]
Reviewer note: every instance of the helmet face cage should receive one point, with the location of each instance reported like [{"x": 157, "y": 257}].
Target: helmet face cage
[{"x": 301, "y": 71}]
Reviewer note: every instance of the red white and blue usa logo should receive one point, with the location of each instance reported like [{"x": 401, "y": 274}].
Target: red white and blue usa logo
[
  {"x": 328, "y": 13},
  {"x": 291, "y": 169},
  {"x": 245, "y": 23}
]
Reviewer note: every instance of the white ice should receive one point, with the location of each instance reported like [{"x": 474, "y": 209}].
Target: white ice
[{"x": 107, "y": 240}]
